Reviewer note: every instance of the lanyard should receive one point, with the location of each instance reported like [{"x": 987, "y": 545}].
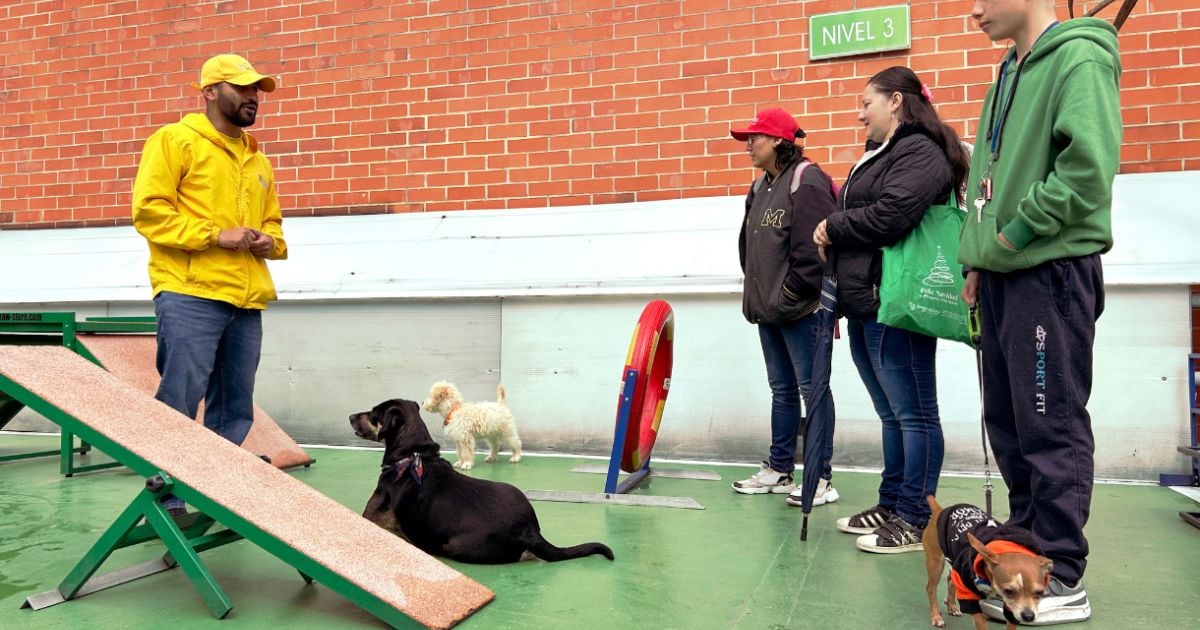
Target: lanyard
[{"x": 996, "y": 126}]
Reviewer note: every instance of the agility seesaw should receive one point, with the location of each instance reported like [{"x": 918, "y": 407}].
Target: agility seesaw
[
  {"x": 125, "y": 346},
  {"x": 645, "y": 385},
  {"x": 59, "y": 329},
  {"x": 323, "y": 540}
]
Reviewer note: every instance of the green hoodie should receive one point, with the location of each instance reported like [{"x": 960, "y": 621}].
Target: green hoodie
[{"x": 1052, "y": 186}]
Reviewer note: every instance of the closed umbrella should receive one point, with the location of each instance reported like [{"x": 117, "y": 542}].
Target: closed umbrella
[{"x": 819, "y": 422}]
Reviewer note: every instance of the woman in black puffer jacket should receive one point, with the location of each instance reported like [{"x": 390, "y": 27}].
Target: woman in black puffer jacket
[{"x": 913, "y": 161}]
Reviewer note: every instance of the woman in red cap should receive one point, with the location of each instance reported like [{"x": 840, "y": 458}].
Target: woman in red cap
[{"x": 783, "y": 287}]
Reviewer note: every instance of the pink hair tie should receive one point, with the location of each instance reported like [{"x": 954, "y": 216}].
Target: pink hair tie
[{"x": 926, "y": 93}]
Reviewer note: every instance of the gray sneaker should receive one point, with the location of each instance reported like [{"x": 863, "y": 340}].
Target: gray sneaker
[
  {"x": 1061, "y": 604},
  {"x": 766, "y": 481}
]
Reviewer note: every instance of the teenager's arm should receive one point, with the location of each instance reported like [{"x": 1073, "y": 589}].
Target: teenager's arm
[{"x": 1087, "y": 127}]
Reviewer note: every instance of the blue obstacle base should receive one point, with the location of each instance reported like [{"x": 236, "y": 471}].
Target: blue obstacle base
[
  {"x": 616, "y": 492},
  {"x": 614, "y": 462}
]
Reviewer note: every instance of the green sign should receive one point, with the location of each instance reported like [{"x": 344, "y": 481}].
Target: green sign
[{"x": 858, "y": 32}]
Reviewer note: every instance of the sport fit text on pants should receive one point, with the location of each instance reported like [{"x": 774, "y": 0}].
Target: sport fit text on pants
[
  {"x": 1038, "y": 326},
  {"x": 208, "y": 349}
]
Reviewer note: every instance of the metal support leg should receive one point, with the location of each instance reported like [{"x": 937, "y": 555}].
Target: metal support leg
[
  {"x": 634, "y": 480},
  {"x": 110, "y": 541},
  {"x": 183, "y": 553},
  {"x": 66, "y": 458},
  {"x": 184, "y": 538}
]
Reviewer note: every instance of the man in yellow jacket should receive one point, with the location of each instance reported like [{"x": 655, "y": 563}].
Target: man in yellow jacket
[{"x": 206, "y": 202}]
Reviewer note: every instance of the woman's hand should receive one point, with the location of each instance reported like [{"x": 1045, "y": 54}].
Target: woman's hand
[{"x": 820, "y": 236}]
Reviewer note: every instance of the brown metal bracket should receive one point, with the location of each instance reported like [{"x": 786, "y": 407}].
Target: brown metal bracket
[{"x": 1122, "y": 13}]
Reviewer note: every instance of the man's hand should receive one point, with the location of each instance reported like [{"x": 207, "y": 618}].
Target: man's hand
[
  {"x": 1005, "y": 242},
  {"x": 238, "y": 238},
  {"x": 970, "y": 290},
  {"x": 261, "y": 244},
  {"x": 820, "y": 236}
]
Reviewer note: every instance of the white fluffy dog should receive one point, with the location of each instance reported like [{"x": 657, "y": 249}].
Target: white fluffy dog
[{"x": 467, "y": 422}]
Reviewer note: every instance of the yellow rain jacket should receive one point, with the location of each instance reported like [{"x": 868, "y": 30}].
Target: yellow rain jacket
[{"x": 189, "y": 187}]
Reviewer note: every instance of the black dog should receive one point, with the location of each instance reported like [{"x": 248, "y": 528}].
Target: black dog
[{"x": 443, "y": 512}]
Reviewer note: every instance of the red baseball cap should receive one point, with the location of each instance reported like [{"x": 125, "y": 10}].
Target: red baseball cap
[{"x": 772, "y": 122}]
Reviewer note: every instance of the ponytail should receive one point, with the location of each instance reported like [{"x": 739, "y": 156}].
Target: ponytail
[{"x": 917, "y": 109}]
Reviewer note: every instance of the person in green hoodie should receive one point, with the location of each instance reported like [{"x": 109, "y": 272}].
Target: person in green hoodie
[
  {"x": 1040, "y": 194},
  {"x": 205, "y": 201}
]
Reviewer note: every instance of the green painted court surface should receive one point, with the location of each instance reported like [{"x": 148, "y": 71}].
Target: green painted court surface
[{"x": 737, "y": 564}]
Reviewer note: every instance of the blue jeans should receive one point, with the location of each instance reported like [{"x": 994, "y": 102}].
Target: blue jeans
[
  {"x": 208, "y": 349},
  {"x": 898, "y": 369},
  {"x": 788, "y": 350}
]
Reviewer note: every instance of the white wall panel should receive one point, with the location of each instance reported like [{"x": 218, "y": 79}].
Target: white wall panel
[
  {"x": 561, "y": 359},
  {"x": 323, "y": 361},
  {"x": 564, "y": 388}
]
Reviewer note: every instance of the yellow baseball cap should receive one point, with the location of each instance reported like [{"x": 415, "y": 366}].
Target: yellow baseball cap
[{"x": 232, "y": 69}]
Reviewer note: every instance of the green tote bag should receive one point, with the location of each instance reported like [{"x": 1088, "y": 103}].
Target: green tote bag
[{"x": 922, "y": 280}]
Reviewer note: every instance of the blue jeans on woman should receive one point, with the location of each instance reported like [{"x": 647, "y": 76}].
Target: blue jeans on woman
[
  {"x": 898, "y": 369},
  {"x": 208, "y": 349},
  {"x": 788, "y": 349}
]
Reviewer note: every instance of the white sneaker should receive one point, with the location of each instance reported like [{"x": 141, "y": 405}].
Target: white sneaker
[
  {"x": 766, "y": 481},
  {"x": 826, "y": 493}
]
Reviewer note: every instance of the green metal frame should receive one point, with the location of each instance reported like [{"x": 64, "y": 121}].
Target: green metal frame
[
  {"x": 184, "y": 539},
  {"x": 184, "y": 547},
  {"x": 61, "y": 328}
]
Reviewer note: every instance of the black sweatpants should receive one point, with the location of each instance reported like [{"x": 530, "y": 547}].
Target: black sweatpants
[{"x": 1038, "y": 327}]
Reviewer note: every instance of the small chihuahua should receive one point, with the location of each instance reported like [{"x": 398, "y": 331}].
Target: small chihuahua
[{"x": 1007, "y": 562}]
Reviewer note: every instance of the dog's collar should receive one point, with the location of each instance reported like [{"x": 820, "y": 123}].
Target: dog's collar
[
  {"x": 411, "y": 464},
  {"x": 997, "y": 547},
  {"x": 453, "y": 409}
]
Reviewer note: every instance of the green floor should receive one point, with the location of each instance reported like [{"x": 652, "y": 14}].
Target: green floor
[{"x": 737, "y": 564}]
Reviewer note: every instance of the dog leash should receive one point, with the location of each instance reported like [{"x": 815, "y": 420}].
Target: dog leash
[{"x": 973, "y": 329}]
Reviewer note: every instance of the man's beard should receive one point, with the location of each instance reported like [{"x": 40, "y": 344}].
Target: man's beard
[{"x": 241, "y": 116}]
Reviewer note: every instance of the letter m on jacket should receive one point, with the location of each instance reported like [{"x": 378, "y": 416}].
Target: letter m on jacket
[{"x": 772, "y": 218}]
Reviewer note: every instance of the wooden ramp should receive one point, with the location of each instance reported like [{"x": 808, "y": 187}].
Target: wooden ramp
[
  {"x": 132, "y": 357},
  {"x": 318, "y": 536}
]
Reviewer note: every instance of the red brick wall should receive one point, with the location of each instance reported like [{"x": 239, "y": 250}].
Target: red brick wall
[{"x": 460, "y": 104}]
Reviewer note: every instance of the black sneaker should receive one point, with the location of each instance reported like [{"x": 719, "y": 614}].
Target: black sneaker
[
  {"x": 895, "y": 536},
  {"x": 177, "y": 511},
  {"x": 866, "y": 521}
]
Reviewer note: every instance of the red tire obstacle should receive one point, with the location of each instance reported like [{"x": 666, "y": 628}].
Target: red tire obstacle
[{"x": 650, "y": 354}]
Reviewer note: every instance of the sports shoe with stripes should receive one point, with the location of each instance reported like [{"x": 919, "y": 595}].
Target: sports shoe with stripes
[
  {"x": 895, "y": 536},
  {"x": 866, "y": 521}
]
